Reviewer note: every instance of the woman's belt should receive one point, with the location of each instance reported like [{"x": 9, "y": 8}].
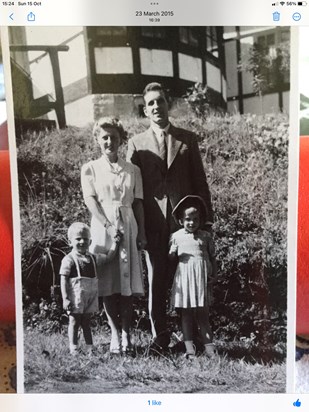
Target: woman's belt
[{"x": 114, "y": 203}]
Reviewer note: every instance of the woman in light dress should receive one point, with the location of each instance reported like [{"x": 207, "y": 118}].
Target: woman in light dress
[{"x": 113, "y": 193}]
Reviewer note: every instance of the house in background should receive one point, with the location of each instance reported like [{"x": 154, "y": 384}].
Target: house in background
[
  {"x": 241, "y": 96},
  {"x": 90, "y": 71}
]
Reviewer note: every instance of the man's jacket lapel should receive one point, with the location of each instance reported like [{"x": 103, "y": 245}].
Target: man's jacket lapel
[{"x": 173, "y": 145}]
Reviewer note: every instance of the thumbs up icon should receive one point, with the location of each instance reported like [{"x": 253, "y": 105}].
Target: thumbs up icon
[
  {"x": 297, "y": 403},
  {"x": 31, "y": 16}
]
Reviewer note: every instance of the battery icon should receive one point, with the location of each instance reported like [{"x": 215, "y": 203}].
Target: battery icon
[{"x": 301, "y": 3}]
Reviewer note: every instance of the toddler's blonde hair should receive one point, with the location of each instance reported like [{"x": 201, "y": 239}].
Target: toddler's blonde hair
[{"x": 77, "y": 227}]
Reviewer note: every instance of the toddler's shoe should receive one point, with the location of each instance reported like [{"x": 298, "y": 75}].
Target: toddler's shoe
[
  {"x": 114, "y": 347},
  {"x": 74, "y": 350},
  {"x": 126, "y": 345},
  {"x": 91, "y": 350}
]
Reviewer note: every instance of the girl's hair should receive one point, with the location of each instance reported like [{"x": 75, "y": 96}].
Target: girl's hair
[
  {"x": 109, "y": 122},
  {"x": 190, "y": 205},
  {"x": 77, "y": 227}
]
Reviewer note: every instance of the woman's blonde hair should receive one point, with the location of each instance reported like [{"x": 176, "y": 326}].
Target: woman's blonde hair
[{"x": 109, "y": 122}]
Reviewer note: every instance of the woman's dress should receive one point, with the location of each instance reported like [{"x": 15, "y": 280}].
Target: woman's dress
[{"x": 115, "y": 186}]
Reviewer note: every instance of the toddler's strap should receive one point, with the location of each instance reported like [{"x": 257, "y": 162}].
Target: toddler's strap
[
  {"x": 94, "y": 264},
  {"x": 76, "y": 264}
]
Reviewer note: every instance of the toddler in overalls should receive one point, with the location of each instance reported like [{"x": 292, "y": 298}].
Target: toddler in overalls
[{"x": 79, "y": 282}]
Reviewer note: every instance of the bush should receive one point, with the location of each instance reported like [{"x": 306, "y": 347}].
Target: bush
[{"x": 246, "y": 162}]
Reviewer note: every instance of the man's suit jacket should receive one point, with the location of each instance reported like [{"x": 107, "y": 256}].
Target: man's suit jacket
[{"x": 184, "y": 174}]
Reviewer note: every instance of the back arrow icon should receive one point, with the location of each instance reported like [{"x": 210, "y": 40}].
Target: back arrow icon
[{"x": 11, "y": 16}]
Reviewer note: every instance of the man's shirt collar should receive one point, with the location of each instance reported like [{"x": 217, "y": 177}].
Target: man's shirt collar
[{"x": 157, "y": 130}]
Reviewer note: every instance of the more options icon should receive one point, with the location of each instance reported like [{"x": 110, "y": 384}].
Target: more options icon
[
  {"x": 276, "y": 16},
  {"x": 296, "y": 16}
]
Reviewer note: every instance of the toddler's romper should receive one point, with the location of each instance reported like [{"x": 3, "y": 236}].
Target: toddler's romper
[
  {"x": 83, "y": 281},
  {"x": 190, "y": 282}
]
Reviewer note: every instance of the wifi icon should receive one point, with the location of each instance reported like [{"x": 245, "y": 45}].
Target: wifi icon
[{"x": 282, "y": 3}]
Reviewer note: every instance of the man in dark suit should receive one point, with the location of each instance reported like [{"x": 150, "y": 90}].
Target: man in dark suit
[{"x": 171, "y": 168}]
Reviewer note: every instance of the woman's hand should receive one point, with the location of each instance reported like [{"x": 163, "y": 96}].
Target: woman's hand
[
  {"x": 118, "y": 236},
  {"x": 67, "y": 304},
  {"x": 107, "y": 224},
  {"x": 113, "y": 232}
]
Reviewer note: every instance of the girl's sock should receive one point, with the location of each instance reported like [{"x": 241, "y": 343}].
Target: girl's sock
[
  {"x": 209, "y": 349},
  {"x": 190, "y": 349}
]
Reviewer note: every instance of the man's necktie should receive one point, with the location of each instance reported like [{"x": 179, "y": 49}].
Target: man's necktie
[{"x": 162, "y": 145}]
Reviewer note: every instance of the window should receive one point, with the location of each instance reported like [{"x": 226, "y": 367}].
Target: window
[
  {"x": 113, "y": 31},
  {"x": 212, "y": 41},
  {"x": 154, "y": 32},
  {"x": 285, "y": 36},
  {"x": 269, "y": 42},
  {"x": 188, "y": 35}
]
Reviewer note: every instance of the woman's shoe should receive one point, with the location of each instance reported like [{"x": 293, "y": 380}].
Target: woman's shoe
[
  {"x": 114, "y": 348},
  {"x": 114, "y": 351},
  {"x": 126, "y": 345},
  {"x": 128, "y": 350}
]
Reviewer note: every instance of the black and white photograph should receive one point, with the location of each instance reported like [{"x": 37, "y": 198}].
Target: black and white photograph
[{"x": 152, "y": 177}]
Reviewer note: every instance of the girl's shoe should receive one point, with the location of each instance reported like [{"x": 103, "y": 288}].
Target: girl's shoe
[
  {"x": 209, "y": 350},
  {"x": 189, "y": 356}
]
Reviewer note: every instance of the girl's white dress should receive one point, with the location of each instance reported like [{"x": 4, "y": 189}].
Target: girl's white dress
[
  {"x": 194, "y": 267},
  {"x": 115, "y": 186}
]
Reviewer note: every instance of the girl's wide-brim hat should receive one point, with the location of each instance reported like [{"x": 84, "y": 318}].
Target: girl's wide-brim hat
[{"x": 190, "y": 201}]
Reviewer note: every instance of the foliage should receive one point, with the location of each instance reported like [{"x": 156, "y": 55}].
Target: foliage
[
  {"x": 267, "y": 67},
  {"x": 257, "y": 62},
  {"x": 246, "y": 162},
  {"x": 198, "y": 99}
]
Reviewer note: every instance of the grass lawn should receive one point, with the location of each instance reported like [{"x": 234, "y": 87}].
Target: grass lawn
[{"x": 49, "y": 368}]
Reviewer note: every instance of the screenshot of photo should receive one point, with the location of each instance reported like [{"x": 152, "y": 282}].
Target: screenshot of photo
[{"x": 159, "y": 204}]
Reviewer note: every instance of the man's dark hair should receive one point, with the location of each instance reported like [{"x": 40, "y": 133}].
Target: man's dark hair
[{"x": 154, "y": 87}]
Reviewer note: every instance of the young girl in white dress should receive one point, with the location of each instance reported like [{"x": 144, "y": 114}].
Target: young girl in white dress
[{"x": 195, "y": 273}]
